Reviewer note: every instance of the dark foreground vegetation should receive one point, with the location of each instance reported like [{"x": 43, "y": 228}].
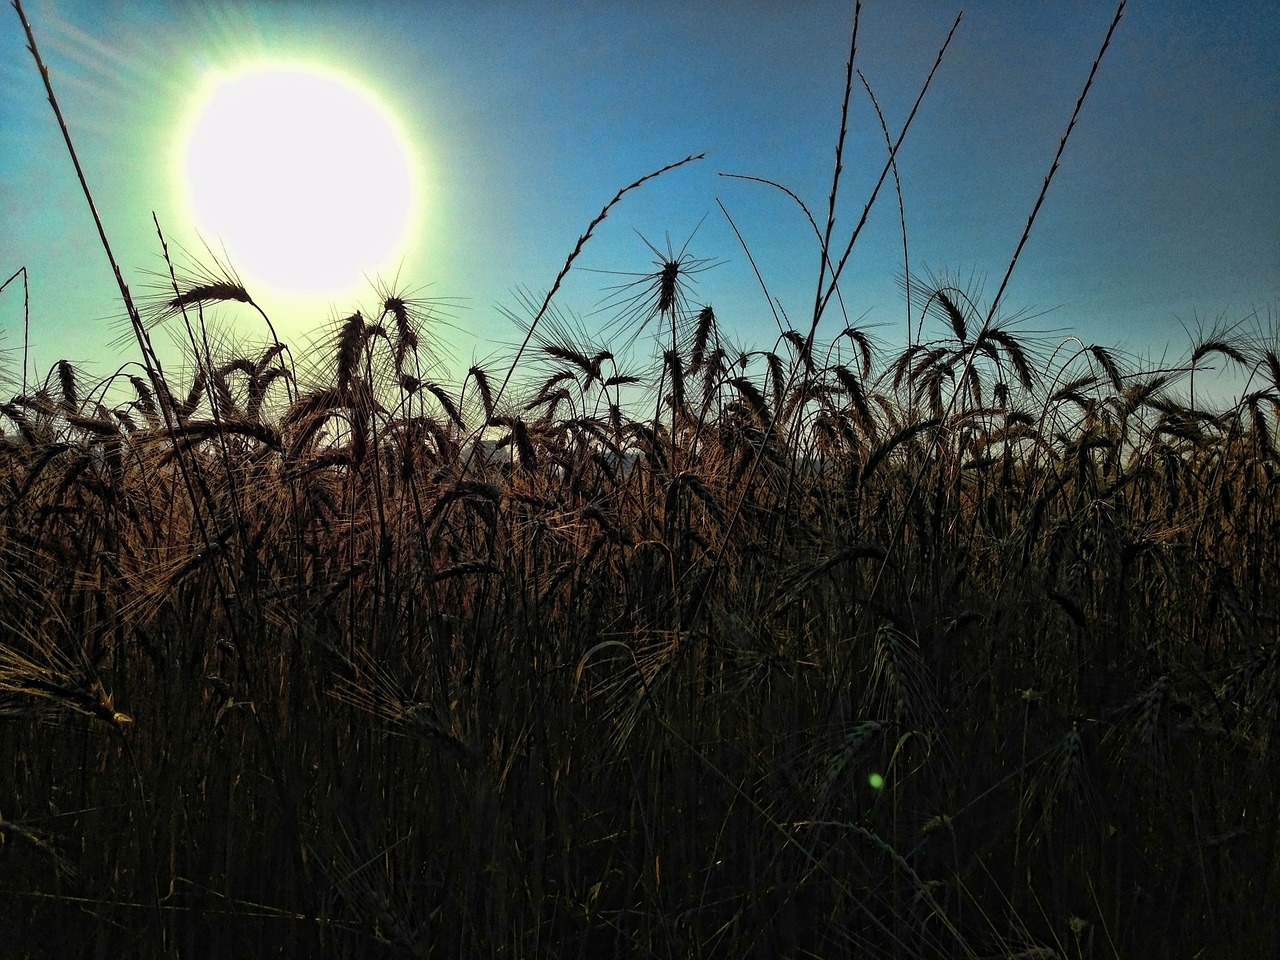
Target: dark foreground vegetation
[{"x": 967, "y": 650}]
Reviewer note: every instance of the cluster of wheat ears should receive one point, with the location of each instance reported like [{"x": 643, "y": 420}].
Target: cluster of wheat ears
[{"x": 968, "y": 651}]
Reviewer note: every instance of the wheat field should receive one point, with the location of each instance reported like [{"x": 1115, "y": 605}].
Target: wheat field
[{"x": 826, "y": 648}]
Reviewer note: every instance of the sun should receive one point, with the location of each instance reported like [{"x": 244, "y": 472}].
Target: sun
[{"x": 300, "y": 175}]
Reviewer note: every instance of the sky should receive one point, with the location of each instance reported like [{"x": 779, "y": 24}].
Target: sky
[{"x": 523, "y": 120}]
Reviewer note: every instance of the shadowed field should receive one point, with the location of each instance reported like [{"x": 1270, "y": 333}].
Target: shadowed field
[
  {"x": 966, "y": 649},
  {"x": 283, "y": 666}
]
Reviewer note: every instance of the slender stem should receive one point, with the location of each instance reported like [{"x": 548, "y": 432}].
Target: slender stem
[
  {"x": 839, "y": 165},
  {"x": 888, "y": 164},
  {"x": 902, "y": 210},
  {"x": 1062, "y": 145},
  {"x": 134, "y": 318},
  {"x": 26, "y": 320}
]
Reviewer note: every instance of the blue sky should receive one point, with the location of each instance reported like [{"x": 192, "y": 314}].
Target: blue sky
[{"x": 529, "y": 117}]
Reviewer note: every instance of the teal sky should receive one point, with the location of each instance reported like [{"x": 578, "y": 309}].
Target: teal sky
[{"x": 526, "y": 118}]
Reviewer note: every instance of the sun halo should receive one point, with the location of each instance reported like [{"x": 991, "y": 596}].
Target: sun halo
[{"x": 299, "y": 174}]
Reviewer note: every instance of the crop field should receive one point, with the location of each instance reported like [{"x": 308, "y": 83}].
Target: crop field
[{"x": 960, "y": 649}]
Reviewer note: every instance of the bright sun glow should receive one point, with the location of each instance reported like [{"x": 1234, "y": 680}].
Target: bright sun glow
[{"x": 301, "y": 176}]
